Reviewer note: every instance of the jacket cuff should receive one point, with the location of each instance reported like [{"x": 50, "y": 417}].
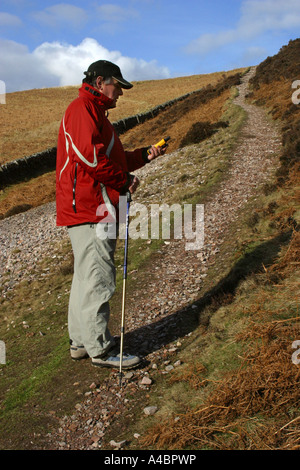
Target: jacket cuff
[
  {"x": 127, "y": 184},
  {"x": 145, "y": 155}
]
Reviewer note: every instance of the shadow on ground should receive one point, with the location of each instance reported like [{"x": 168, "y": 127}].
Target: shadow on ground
[{"x": 154, "y": 336}]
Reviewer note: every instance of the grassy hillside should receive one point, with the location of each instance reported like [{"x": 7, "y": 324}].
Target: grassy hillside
[
  {"x": 251, "y": 400},
  {"x": 272, "y": 88},
  {"x": 237, "y": 386},
  {"x": 30, "y": 119},
  {"x": 206, "y": 106}
]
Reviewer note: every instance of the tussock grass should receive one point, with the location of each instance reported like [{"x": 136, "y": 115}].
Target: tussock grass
[
  {"x": 236, "y": 387},
  {"x": 36, "y": 374},
  {"x": 243, "y": 387}
]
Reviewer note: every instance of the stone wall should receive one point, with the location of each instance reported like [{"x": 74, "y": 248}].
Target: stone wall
[{"x": 28, "y": 167}]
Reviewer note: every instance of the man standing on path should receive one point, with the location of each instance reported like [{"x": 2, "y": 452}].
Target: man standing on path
[{"x": 92, "y": 171}]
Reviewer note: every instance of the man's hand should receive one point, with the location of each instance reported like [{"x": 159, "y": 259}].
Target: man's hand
[
  {"x": 156, "y": 152},
  {"x": 134, "y": 184}
]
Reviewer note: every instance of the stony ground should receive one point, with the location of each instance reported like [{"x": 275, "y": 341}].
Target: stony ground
[{"x": 173, "y": 280}]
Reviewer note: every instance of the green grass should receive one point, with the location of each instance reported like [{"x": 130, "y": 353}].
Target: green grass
[
  {"x": 40, "y": 377},
  {"x": 246, "y": 294},
  {"x": 221, "y": 346},
  {"x": 36, "y": 382},
  {"x": 34, "y": 315}
]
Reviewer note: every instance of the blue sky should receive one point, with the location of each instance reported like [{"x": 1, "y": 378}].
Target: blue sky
[{"x": 49, "y": 43}]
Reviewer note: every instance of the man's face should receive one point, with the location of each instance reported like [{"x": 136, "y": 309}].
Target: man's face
[{"x": 112, "y": 90}]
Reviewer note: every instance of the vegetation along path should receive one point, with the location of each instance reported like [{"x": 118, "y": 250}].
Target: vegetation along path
[{"x": 159, "y": 302}]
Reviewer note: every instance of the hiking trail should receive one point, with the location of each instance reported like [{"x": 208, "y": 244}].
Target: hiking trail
[{"x": 154, "y": 312}]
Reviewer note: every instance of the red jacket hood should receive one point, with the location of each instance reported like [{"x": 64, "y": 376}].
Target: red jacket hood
[{"x": 92, "y": 93}]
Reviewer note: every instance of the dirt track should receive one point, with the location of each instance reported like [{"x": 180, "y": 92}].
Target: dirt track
[
  {"x": 251, "y": 166},
  {"x": 156, "y": 315}
]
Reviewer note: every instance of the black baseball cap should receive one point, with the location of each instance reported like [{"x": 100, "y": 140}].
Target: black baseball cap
[{"x": 106, "y": 69}]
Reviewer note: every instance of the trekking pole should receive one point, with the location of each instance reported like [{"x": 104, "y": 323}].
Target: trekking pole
[{"x": 128, "y": 195}]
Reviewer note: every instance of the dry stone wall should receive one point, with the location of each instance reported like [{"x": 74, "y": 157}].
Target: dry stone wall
[{"x": 24, "y": 168}]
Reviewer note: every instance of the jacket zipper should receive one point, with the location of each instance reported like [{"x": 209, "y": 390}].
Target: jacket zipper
[{"x": 74, "y": 187}]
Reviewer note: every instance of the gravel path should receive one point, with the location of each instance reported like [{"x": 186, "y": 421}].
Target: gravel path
[
  {"x": 173, "y": 281},
  {"x": 24, "y": 240}
]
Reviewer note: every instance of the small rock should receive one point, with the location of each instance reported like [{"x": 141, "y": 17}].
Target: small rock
[
  {"x": 117, "y": 445},
  {"x": 150, "y": 410},
  {"x": 146, "y": 381},
  {"x": 128, "y": 375}
]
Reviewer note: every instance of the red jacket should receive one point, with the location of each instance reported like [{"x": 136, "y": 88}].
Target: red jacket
[{"x": 91, "y": 164}]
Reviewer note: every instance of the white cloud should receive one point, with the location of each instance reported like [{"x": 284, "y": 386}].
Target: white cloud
[
  {"x": 20, "y": 70},
  {"x": 61, "y": 14},
  {"x": 210, "y": 42},
  {"x": 257, "y": 17},
  {"x": 56, "y": 64},
  {"x": 7, "y": 19}
]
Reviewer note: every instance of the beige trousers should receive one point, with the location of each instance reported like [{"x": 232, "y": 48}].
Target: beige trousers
[{"x": 92, "y": 287}]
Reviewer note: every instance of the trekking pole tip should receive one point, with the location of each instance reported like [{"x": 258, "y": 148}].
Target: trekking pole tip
[{"x": 120, "y": 378}]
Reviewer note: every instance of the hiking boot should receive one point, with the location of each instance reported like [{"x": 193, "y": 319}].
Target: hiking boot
[
  {"x": 113, "y": 360},
  {"x": 77, "y": 352}
]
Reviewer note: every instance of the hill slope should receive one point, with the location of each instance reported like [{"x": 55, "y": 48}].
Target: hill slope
[
  {"x": 217, "y": 325},
  {"x": 205, "y": 105},
  {"x": 211, "y": 366},
  {"x": 30, "y": 119}
]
